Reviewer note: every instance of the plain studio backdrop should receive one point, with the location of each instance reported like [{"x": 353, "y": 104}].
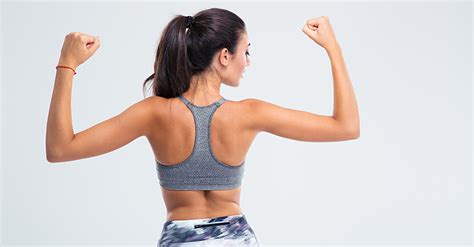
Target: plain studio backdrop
[{"x": 406, "y": 180}]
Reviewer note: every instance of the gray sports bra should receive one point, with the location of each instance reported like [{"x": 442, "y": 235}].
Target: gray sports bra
[{"x": 201, "y": 170}]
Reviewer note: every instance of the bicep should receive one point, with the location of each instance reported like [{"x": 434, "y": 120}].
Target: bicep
[
  {"x": 295, "y": 124},
  {"x": 111, "y": 134}
]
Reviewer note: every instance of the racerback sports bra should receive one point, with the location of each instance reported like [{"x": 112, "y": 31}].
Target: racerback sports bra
[{"x": 201, "y": 170}]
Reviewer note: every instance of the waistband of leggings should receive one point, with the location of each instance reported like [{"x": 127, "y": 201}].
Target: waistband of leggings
[{"x": 192, "y": 222}]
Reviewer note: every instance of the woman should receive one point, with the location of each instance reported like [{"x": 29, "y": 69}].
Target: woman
[{"x": 200, "y": 165}]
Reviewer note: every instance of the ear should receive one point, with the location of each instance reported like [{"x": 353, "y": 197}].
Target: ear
[{"x": 224, "y": 56}]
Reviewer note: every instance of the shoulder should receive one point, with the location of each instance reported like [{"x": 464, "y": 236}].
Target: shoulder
[
  {"x": 253, "y": 105},
  {"x": 150, "y": 107},
  {"x": 245, "y": 105},
  {"x": 151, "y": 103},
  {"x": 250, "y": 111},
  {"x": 249, "y": 102}
]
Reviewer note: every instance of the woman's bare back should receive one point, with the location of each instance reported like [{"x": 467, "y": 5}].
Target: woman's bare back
[{"x": 172, "y": 141}]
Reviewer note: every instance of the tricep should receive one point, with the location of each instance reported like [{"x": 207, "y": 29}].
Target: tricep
[{"x": 295, "y": 124}]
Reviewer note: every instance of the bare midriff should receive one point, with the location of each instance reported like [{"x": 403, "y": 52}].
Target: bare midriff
[{"x": 201, "y": 204}]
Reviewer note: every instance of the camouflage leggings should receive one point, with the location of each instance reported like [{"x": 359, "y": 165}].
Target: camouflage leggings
[{"x": 231, "y": 230}]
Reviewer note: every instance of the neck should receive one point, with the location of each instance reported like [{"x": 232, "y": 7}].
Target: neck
[{"x": 203, "y": 90}]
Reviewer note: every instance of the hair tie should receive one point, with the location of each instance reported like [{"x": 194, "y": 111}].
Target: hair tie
[{"x": 189, "y": 21}]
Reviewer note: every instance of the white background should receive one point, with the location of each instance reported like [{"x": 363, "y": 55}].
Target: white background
[{"x": 406, "y": 180}]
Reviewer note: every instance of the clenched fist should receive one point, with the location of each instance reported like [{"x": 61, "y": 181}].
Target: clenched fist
[
  {"x": 320, "y": 31},
  {"x": 77, "y": 48}
]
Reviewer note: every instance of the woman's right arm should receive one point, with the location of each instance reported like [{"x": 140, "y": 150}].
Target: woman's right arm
[{"x": 306, "y": 126}]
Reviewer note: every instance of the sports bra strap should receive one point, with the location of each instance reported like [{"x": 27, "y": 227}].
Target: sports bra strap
[{"x": 187, "y": 102}]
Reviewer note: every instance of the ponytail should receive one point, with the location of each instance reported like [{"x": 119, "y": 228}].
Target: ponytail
[{"x": 183, "y": 52}]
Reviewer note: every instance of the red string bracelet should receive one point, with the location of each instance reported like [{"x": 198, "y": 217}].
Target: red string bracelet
[{"x": 61, "y": 66}]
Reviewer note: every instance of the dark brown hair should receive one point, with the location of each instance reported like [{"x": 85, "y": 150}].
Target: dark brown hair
[{"x": 183, "y": 52}]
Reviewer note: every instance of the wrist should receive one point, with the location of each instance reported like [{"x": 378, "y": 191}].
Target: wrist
[
  {"x": 334, "y": 53},
  {"x": 65, "y": 69},
  {"x": 64, "y": 62},
  {"x": 333, "y": 48}
]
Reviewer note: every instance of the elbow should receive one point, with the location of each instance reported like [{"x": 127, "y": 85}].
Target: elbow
[
  {"x": 350, "y": 131},
  {"x": 52, "y": 156},
  {"x": 355, "y": 136},
  {"x": 354, "y": 133}
]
